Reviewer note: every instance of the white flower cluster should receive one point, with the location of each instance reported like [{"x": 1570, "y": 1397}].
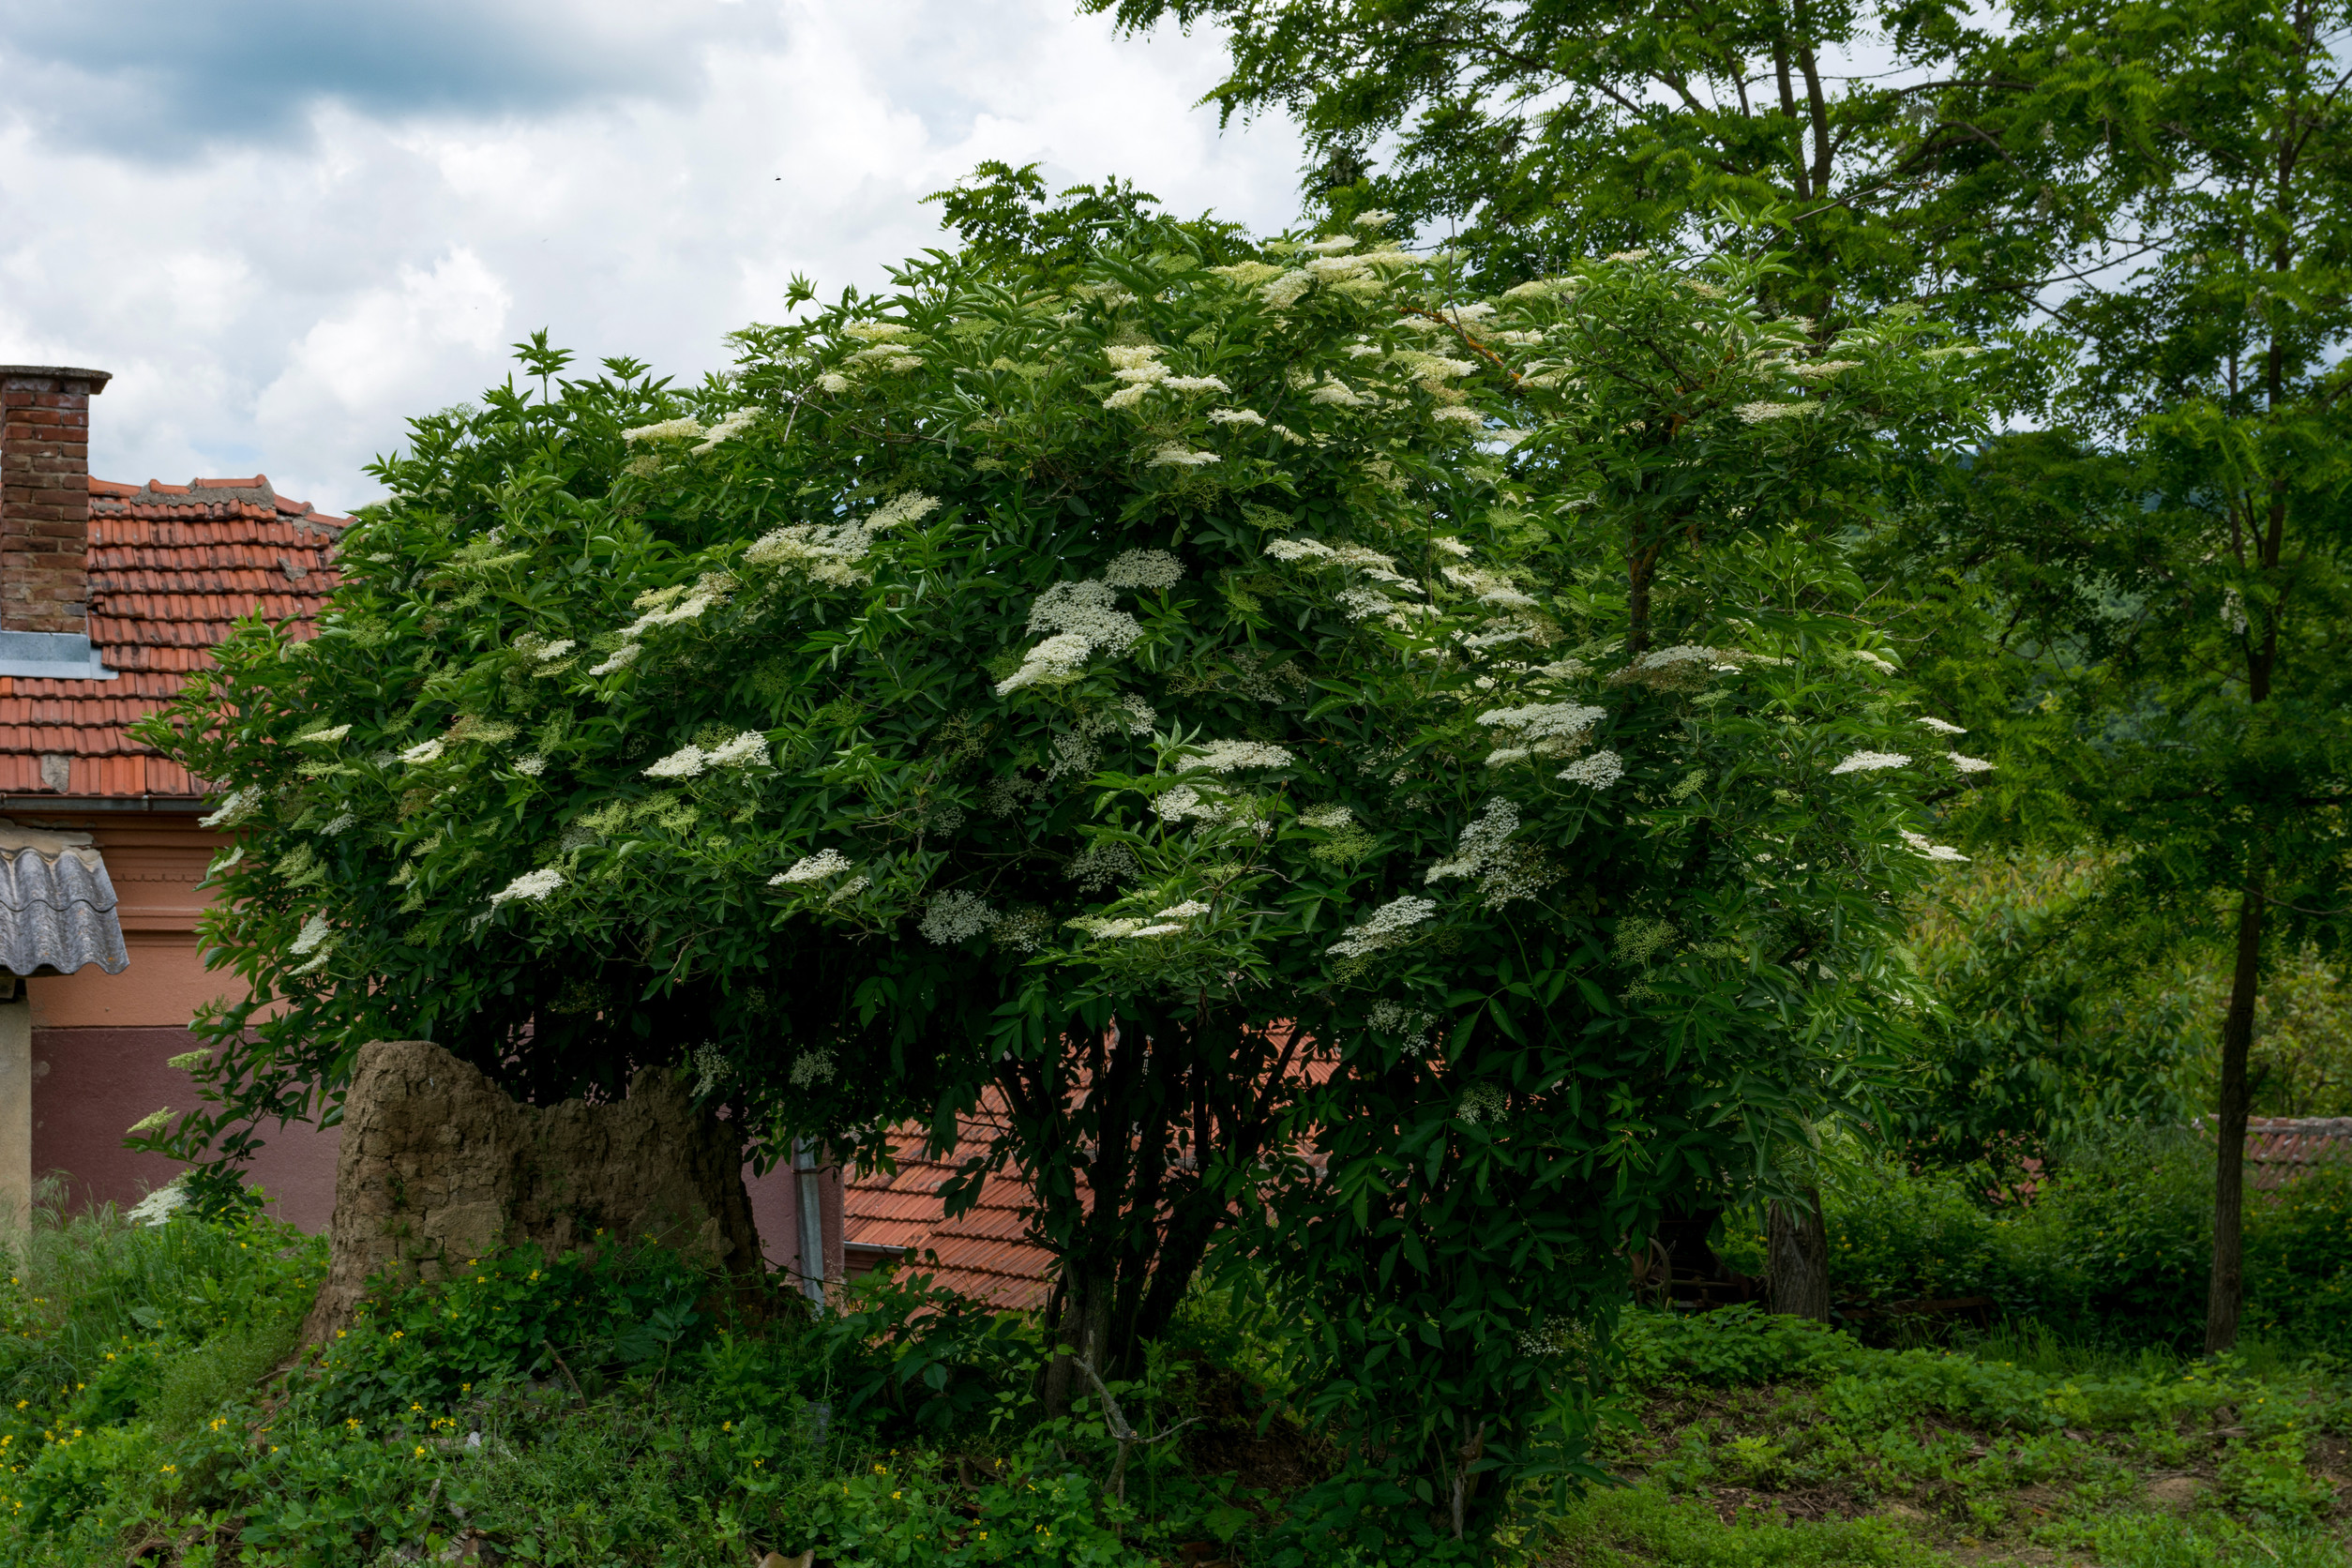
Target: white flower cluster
[
  {"x": 240, "y": 805},
  {"x": 1185, "y": 802},
  {"x": 1490, "y": 587},
  {"x": 422, "y": 753},
  {"x": 531, "y": 886},
  {"x": 1600, "y": 770},
  {"x": 159, "y": 1207},
  {"x": 530, "y": 766},
  {"x": 689, "y": 429},
  {"x": 812, "y": 867},
  {"x": 1102, "y": 865},
  {"x": 1139, "y": 367},
  {"x": 314, "y": 931},
  {"x": 660, "y": 612},
  {"x": 726, "y": 429},
  {"x": 1684, "y": 667},
  {"x": 883, "y": 350},
  {"x": 324, "y": 737},
  {"x": 620, "y": 658},
  {"x": 1175, "y": 454},
  {"x": 1284, "y": 289},
  {"x": 1941, "y": 727},
  {"x": 1226, "y": 755},
  {"x": 957, "y": 915},
  {"x": 1409, "y": 1025},
  {"x": 1482, "y": 1102},
  {"x": 1541, "y": 730},
  {"x": 1086, "y": 619},
  {"x": 1235, "y": 417},
  {"x": 1870, "y": 761},
  {"x": 666, "y": 429},
  {"x": 1143, "y": 568},
  {"x": 1495, "y": 632},
  {"x": 1968, "y": 765},
  {"x": 812, "y": 1066},
  {"x": 1919, "y": 845},
  {"x": 1371, "y": 562},
  {"x": 830, "y": 552},
  {"x": 1481, "y": 842},
  {"x": 1389, "y": 924},
  {"x": 1759, "y": 412},
  {"x": 1327, "y": 817},
  {"x": 690, "y": 761}
]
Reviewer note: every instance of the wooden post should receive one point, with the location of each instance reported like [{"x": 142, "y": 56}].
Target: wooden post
[{"x": 16, "y": 1106}]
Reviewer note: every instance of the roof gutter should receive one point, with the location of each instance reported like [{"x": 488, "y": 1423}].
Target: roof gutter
[{"x": 171, "y": 805}]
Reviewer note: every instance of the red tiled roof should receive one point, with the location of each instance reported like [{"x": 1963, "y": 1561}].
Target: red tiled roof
[
  {"x": 2281, "y": 1148},
  {"x": 986, "y": 1253},
  {"x": 171, "y": 567}
]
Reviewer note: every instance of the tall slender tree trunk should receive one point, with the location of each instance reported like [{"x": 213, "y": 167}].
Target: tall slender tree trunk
[
  {"x": 2227, "y": 1292},
  {"x": 1082, "y": 1333},
  {"x": 1796, "y": 1258}
]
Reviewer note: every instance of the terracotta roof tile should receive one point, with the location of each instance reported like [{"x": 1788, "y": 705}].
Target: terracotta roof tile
[
  {"x": 172, "y": 568},
  {"x": 986, "y": 1252},
  {"x": 2281, "y": 1148}
]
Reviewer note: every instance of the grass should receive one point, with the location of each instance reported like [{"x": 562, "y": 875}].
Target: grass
[
  {"x": 1752, "y": 1440},
  {"x": 153, "y": 1410}
]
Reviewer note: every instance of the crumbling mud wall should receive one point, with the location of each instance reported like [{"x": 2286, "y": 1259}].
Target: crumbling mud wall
[{"x": 439, "y": 1166}]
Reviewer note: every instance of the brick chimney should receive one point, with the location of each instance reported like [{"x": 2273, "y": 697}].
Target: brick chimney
[{"x": 45, "y": 495}]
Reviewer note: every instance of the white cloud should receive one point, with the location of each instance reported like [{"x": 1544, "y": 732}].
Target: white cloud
[{"x": 286, "y": 305}]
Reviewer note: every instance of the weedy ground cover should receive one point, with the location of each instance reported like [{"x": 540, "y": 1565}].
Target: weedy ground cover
[
  {"x": 579, "y": 1410},
  {"x": 155, "y": 1408},
  {"x": 1752, "y": 1440}
]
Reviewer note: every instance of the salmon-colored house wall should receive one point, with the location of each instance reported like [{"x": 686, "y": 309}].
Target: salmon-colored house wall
[
  {"x": 102, "y": 1046},
  {"x": 102, "y": 1043}
]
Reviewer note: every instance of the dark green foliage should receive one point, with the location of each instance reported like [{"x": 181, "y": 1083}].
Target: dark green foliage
[
  {"x": 1540, "y": 786},
  {"x": 520, "y": 1315},
  {"x": 1007, "y": 219},
  {"x": 2114, "y": 1246},
  {"x": 1531, "y": 136},
  {"x": 1735, "y": 1345}
]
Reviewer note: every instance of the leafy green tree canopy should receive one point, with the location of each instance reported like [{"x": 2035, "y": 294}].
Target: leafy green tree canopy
[
  {"x": 1274, "y": 737},
  {"x": 1540, "y": 131}
]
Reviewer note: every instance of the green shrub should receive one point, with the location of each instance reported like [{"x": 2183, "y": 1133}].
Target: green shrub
[
  {"x": 1736, "y": 1345},
  {"x": 584, "y": 1319},
  {"x": 2116, "y": 1245},
  {"x": 2299, "y": 1259},
  {"x": 1896, "y": 1234}
]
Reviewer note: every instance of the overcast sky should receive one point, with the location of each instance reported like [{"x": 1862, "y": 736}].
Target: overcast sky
[{"x": 287, "y": 225}]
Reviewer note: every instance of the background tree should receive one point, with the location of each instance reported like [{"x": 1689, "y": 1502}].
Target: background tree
[
  {"x": 2181, "y": 634},
  {"x": 1535, "y": 134}
]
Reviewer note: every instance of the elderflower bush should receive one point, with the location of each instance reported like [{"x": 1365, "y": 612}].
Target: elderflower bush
[{"x": 1256, "y": 665}]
